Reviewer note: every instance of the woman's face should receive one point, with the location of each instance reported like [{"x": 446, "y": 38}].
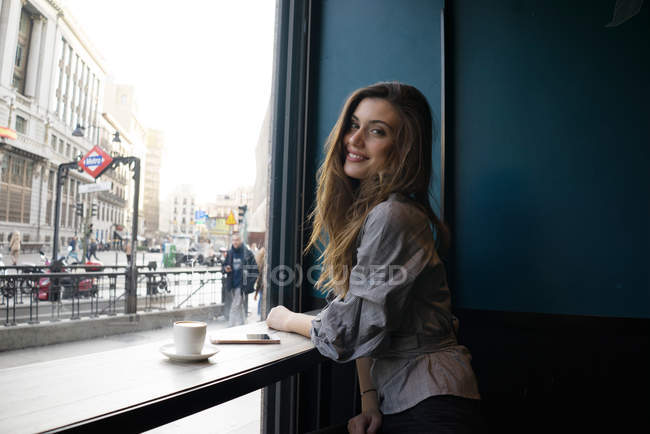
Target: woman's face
[{"x": 368, "y": 140}]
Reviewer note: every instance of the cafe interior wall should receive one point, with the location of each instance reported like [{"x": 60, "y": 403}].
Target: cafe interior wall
[
  {"x": 546, "y": 191},
  {"x": 547, "y": 197}
]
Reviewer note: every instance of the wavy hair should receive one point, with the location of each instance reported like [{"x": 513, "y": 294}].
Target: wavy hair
[{"x": 342, "y": 203}]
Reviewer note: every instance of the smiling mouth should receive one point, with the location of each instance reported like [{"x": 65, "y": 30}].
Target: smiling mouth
[{"x": 350, "y": 156}]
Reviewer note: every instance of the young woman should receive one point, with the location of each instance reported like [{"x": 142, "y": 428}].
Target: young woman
[{"x": 392, "y": 311}]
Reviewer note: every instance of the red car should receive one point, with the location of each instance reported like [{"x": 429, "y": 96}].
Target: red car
[{"x": 87, "y": 287}]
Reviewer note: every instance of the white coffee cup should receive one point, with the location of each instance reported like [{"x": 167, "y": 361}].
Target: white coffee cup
[{"x": 189, "y": 336}]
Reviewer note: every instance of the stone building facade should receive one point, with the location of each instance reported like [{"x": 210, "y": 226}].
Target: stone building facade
[{"x": 52, "y": 81}]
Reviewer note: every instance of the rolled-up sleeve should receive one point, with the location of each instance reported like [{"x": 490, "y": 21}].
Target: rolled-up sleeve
[{"x": 390, "y": 256}]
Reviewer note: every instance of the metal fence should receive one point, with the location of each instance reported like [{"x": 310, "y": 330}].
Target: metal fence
[{"x": 31, "y": 294}]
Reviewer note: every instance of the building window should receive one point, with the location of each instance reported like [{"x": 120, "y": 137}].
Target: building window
[
  {"x": 21, "y": 124},
  {"x": 50, "y": 198},
  {"x": 17, "y": 82},
  {"x": 16, "y": 189},
  {"x": 22, "y": 51},
  {"x": 67, "y": 149},
  {"x": 19, "y": 55},
  {"x": 53, "y": 141}
]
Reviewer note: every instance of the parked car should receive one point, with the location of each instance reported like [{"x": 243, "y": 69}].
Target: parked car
[
  {"x": 87, "y": 286},
  {"x": 155, "y": 249}
]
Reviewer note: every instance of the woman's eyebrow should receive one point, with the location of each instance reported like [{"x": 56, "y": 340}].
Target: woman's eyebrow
[
  {"x": 374, "y": 121},
  {"x": 378, "y": 121}
]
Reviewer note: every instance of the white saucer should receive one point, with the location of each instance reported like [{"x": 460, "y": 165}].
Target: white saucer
[{"x": 170, "y": 351}]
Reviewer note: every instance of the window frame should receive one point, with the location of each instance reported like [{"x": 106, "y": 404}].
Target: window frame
[{"x": 287, "y": 210}]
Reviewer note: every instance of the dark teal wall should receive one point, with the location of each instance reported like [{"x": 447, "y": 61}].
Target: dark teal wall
[
  {"x": 551, "y": 157},
  {"x": 357, "y": 43}
]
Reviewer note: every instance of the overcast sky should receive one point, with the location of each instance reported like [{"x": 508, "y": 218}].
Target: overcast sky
[{"x": 202, "y": 72}]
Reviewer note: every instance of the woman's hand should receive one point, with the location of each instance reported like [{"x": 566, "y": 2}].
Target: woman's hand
[
  {"x": 367, "y": 422},
  {"x": 278, "y": 318}
]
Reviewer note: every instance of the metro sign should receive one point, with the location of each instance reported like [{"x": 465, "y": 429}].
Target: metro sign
[{"x": 95, "y": 161}]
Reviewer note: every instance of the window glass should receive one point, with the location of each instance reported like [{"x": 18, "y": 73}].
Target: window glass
[
  {"x": 190, "y": 179},
  {"x": 5, "y": 168},
  {"x": 19, "y": 55},
  {"x": 21, "y": 124},
  {"x": 17, "y": 170}
]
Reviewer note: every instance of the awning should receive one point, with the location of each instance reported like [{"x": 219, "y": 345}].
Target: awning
[{"x": 8, "y": 133}]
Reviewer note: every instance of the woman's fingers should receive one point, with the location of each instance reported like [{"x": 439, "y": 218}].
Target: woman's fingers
[
  {"x": 365, "y": 423},
  {"x": 277, "y": 317},
  {"x": 375, "y": 423},
  {"x": 358, "y": 424}
]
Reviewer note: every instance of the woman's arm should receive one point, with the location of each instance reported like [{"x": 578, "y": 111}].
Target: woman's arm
[
  {"x": 281, "y": 318},
  {"x": 369, "y": 397},
  {"x": 369, "y": 421}
]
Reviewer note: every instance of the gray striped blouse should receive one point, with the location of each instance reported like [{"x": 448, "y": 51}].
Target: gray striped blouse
[{"x": 397, "y": 311}]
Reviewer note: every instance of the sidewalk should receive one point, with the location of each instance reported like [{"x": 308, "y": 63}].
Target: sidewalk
[{"x": 108, "y": 257}]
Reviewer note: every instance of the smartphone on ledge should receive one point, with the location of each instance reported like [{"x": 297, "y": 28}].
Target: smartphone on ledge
[{"x": 251, "y": 338}]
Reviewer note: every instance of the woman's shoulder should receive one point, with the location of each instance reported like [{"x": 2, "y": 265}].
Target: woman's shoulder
[{"x": 397, "y": 210}]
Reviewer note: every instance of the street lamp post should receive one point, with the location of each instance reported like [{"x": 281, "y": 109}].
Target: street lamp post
[
  {"x": 61, "y": 174},
  {"x": 131, "y": 288}
]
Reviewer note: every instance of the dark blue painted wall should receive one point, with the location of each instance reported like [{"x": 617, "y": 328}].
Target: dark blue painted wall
[
  {"x": 356, "y": 43},
  {"x": 362, "y": 42},
  {"x": 552, "y": 149}
]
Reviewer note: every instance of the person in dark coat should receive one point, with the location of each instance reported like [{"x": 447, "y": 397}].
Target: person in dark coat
[{"x": 240, "y": 275}]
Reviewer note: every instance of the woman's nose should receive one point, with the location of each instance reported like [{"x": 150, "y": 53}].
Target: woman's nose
[{"x": 356, "y": 138}]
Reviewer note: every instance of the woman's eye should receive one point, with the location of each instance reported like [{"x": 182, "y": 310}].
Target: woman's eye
[
  {"x": 354, "y": 126},
  {"x": 377, "y": 132}
]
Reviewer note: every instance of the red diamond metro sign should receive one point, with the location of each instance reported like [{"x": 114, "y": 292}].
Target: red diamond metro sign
[{"x": 95, "y": 161}]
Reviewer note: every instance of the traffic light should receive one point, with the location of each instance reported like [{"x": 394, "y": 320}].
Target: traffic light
[
  {"x": 242, "y": 213},
  {"x": 79, "y": 209},
  {"x": 94, "y": 209}
]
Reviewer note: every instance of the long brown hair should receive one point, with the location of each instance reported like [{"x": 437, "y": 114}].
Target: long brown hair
[{"x": 342, "y": 203}]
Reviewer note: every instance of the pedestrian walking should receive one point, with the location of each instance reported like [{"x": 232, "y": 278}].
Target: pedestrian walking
[
  {"x": 241, "y": 274},
  {"x": 14, "y": 247},
  {"x": 92, "y": 251},
  {"x": 260, "y": 258},
  {"x": 72, "y": 253},
  {"x": 127, "y": 250},
  {"x": 86, "y": 242}
]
